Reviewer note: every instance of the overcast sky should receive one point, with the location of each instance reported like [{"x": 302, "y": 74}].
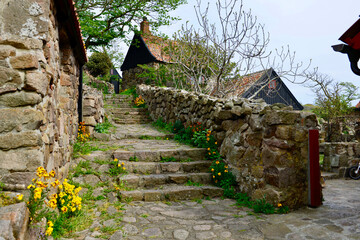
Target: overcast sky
[{"x": 309, "y": 27}]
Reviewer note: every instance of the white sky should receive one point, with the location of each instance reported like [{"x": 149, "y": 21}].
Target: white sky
[{"x": 309, "y": 27}]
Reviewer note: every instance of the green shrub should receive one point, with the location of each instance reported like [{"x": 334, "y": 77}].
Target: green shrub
[
  {"x": 99, "y": 64},
  {"x": 261, "y": 206},
  {"x": 103, "y": 127}
]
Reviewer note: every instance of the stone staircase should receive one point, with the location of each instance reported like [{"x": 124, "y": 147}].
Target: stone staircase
[
  {"x": 121, "y": 110},
  {"x": 158, "y": 168}
]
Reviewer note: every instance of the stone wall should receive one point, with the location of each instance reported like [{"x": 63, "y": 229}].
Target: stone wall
[
  {"x": 266, "y": 146},
  {"x": 93, "y": 108},
  {"x": 338, "y": 156},
  {"x": 130, "y": 76},
  {"x": 38, "y": 91}
]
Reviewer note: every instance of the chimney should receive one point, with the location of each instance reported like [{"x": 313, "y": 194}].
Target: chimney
[{"x": 144, "y": 27}]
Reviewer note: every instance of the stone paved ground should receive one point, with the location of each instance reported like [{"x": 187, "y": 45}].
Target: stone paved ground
[
  {"x": 197, "y": 219},
  {"x": 218, "y": 218}
]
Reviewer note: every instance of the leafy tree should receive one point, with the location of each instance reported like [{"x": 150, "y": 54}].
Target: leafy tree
[
  {"x": 333, "y": 101},
  {"x": 105, "y": 20},
  {"x": 99, "y": 64}
]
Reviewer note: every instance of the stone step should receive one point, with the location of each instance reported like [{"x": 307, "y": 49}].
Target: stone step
[
  {"x": 158, "y": 180},
  {"x": 118, "y": 96},
  {"x": 167, "y": 167},
  {"x": 172, "y": 193},
  {"x": 127, "y": 111},
  {"x": 156, "y": 155},
  {"x": 119, "y": 105},
  {"x": 138, "y": 116},
  {"x": 131, "y": 121}
]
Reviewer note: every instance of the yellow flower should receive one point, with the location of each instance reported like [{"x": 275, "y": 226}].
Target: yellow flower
[
  {"x": 55, "y": 183},
  {"x": 115, "y": 159},
  {"x": 73, "y": 209},
  {"x": 30, "y": 186},
  {"x": 208, "y": 149},
  {"x": 226, "y": 170},
  {"x": 207, "y": 139},
  {"x": 219, "y": 173},
  {"x": 216, "y": 181},
  {"x": 217, "y": 162},
  {"x": 124, "y": 168},
  {"x": 52, "y": 203},
  {"x": 216, "y": 143},
  {"x": 212, "y": 169},
  {"x": 279, "y": 205},
  {"x": 64, "y": 209},
  {"x": 119, "y": 165},
  {"x": 52, "y": 173},
  {"x": 226, "y": 166},
  {"x": 62, "y": 201},
  {"x": 123, "y": 163},
  {"x": 49, "y": 231},
  {"x": 50, "y": 224},
  {"x": 20, "y": 197},
  {"x": 213, "y": 176}
]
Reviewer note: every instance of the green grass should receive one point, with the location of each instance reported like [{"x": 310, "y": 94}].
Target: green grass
[
  {"x": 172, "y": 159},
  {"x": 190, "y": 183}
]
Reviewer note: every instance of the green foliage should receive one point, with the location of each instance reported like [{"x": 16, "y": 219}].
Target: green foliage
[
  {"x": 117, "y": 168},
  {"x": 160, "y": 124},
  {"x": 104, "y": 21},
  {"x": 261, "y": 206},
  {"x": 130, "y": 91},
  {"x": 172, "y": 159},
  {"x": 103, "y": 127},
  {"x": 221, "y": 176},
  {"x": 99, "y": 64},
  {"x": 133, "y": 159},
  {"x": 191, "y": 183},
  {"x": 82, "y": 148}
]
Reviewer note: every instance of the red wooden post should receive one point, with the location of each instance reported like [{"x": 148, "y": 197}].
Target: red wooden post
[{"x": 314, "y": 194}]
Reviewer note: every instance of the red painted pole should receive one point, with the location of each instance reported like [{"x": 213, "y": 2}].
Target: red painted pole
[{"x": 314, "y": 196}]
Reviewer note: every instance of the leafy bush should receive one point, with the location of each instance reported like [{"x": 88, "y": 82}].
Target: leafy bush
[
  {"x": 103, "y": 127},
  {"x": 261, "y": 206},
  {"x": 129, "y": 91},
  {"x": 99, "y": 64}
]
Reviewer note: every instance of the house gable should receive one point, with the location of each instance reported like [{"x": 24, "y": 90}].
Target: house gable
[
  {"x": 274, "y": 91},
  {"x": 138, "y": 53}
]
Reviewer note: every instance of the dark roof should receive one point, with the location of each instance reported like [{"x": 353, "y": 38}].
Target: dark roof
[
  {"x": 146, "y": 48},
  {"x": 258, "y": 83},
  {"x": 66, "y": 14}
]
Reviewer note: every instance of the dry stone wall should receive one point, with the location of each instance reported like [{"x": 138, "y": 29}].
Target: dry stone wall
[
  {"x": 93, "y": 108},
  {"x": 131, "y": 76},
  {"x": 266, "y": 146},
  {"x": 38, "y": 91},
  {"x": 338, "y": 156}
]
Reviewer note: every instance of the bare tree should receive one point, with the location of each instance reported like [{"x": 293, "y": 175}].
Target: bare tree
[{"x": 218, "y": 55}]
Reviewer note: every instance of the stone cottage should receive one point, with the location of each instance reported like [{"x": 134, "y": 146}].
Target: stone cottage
[
  {"x": 145, "y": 48},
  {"x": 41, "y": 56}
]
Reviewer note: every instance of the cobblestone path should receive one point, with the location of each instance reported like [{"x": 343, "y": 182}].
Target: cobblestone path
[{"x": 159, "y": 205}]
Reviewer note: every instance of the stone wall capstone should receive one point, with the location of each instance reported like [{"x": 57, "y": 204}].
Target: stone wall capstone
[
  {"x": 38, "y": 91},
  {"x": 265, "y": 146}
]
